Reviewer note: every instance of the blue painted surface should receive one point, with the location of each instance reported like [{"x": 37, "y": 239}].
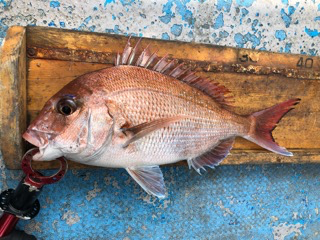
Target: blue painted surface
[
  {"x": 231, "y": 202},
  {"x": 281, "y": 35},
  {"x": 219, "y": 21},
  {"x": 54, "y": 4}
]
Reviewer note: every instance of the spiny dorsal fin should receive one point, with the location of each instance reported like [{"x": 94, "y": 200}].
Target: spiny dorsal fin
[{"x": 147, "y": 59}]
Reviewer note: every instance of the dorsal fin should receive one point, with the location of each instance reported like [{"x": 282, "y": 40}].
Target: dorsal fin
[{"x": 147, "y": 59}]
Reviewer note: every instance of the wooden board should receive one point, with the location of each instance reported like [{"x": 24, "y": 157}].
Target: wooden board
[
  {"x": 13, "y": 108},
  {"x": 257, "y": 79}
]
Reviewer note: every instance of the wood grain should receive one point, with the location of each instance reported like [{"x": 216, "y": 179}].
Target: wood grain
[
  {"x": 59, "y": 44},
  {"x": 13, "y": 96}
]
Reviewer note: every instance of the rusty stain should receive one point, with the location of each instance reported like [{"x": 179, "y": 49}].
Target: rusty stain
[
  {"x": 31, "y": 51},
  {"x": 70, "y": 55},
  {"x": 66, "y": 54}
]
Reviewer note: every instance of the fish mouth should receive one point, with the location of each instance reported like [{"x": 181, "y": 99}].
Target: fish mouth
[
  {"x": 32, "y": 137},
  {"x": 41, "y": 140}
]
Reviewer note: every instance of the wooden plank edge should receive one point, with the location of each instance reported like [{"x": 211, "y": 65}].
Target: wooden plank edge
[
  {"x": 236, "y": 157},
  {"x": 219, "y": 59},
  {"x": 13, "y": 96}
]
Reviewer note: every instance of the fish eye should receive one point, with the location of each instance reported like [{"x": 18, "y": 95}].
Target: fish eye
[{"x": 66, "y": 106}]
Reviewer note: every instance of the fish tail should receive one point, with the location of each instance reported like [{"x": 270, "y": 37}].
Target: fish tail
[{"x": 265, "y": 121}]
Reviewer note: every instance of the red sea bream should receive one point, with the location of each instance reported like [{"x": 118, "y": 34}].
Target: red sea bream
[{"x": 145, "y": 112}]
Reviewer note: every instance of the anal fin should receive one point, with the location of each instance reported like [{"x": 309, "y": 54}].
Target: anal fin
[
  {"x": 212, "y": 158},
  {"x": 150, "y": 178}
]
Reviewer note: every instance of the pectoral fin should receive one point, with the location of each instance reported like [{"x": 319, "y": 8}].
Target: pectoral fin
[
  {"x": 143, "y": 129},
  {"x": 150, "y": 178}
]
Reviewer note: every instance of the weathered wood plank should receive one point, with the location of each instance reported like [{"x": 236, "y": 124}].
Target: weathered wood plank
[
  {"x": 13, "y": 96},
  {"x": 51, "y": 43}
]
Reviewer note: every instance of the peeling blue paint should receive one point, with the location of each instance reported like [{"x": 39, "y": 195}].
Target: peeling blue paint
[
  {"x": 52, "y": 24},
  {"x": 245, "y": 3},
  {"x": 108, "y": 2},
  {"x": 223, "y": 34},
  {"x": 5, "y": 3},
  {"x": 95, "y": 9},
  {"x": 176, "y": 29},
  {"x": 143, "y": 15},
  {"x": 92, "y": 28},
  {"x": 127, "y": 2},
  {"x": 168, "y": 13},
  {"x": 286, "y": 2},
  {"x": 3, "y": 29},
  {"x": 317, "y": 18},
  {"x": 287, "y": 48},
  {"x": 190, "y": 34},
  {"x": 165, "y": 36},
  {"x": 54, "y": 4},
  {"x": 281, "y": 35},
  {"x": 224, "y": 5},
  {"x": 182, "y": 10},
  {"x": 86, "y": 20},
  {"x": 244, "y": 12},
  {"x": 62, "y": 24},
  {"x": 319, "y": 7},
  {"x": 286, "y": 17},
  {"x": 115, "y": 30},
  {"x": 219, "y": 22},
  {"x": 254, "y": 24},
  {"x": 313, "y": 52},
  {"x": 241, "y": 40},
  {"x": 312, "y": 33}
]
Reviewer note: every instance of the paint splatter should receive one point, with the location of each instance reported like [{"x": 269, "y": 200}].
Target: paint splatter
[
  {"x": 54, "y": 4},
  {"x": 245, "y": 3},
  {"x": 165, "y": 36},
  {"x": 286, "y": 17},
  {"x": 224, "y": 5},
  {"x": 312, "y": 33},
  {"x": 108, "y": 2},
  {"x": 241, "y": 40},
  {"x": 93, "y": 193},
  {"x": 281, "y": 35},
  {"x": 283, "y": 230},
  {"x": 176, "y": 29},
  {"x": 219, "y": 22},
  {"x": 70, "y": 217}
]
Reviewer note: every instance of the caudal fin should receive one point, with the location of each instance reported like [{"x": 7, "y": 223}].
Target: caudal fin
[{"x": 263, "y": 123}]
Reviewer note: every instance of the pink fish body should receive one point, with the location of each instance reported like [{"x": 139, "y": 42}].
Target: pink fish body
[{"x": 133, "y": 117}]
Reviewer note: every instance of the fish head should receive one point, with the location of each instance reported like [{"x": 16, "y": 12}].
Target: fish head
[{"x": 64, "y": 126}]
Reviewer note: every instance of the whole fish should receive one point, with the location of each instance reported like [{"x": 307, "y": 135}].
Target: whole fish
[{"x": 145, "y": 112}]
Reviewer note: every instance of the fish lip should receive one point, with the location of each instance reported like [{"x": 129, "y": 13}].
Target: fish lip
[
  {"x": 32, "y": 137},
  {"x": 38, "y": 138}
]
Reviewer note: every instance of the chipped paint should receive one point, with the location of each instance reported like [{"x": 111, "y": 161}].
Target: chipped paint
[
  {"x": 33, "y": 226},
  {"x": 93, "y": 193},
  {"x": 70, "y": 217},
  {"x": 285, "y": 230},
  {"x": 226, "y": 210}
]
